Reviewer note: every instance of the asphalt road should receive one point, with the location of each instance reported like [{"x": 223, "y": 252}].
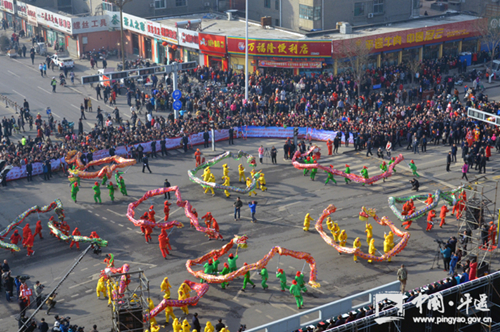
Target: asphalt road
[{"x": 280, "y": 212}]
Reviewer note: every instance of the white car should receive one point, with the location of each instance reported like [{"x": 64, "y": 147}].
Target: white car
[{"x": 62, "y": 62}]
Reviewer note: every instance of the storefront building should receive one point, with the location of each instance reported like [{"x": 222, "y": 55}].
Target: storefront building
[
  {"x": 289, "y": 56},
  {"x": 418, "y": 44},
  {"x": 190, "y": 46},
  {"x": 214, "y": 50}
]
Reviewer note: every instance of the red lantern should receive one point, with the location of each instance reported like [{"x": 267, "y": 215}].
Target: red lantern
[
  {"x": 253, "y": 62},
  {"x": 164, "y": 43},
  {"x": 174, "y": 47}
]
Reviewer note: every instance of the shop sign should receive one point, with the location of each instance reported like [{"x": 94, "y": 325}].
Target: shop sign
[
  {"x": 31, "y": 12},
  {"x": 290, "y": 64},
  {"x": 21, "y": 9},
  {"x": 54, "y": 21},
  {"x": 91, "y": 24},
  {"x": 159, "y": 31},
  {"x": 282, "y": 48},
  {"x": 149, "y": 28},
  {"x": 212, "y": 43},
  {"x": 188, "y": 38},
  {"x": 7, "y": 5},
  {"x": 409, "y": 38}
]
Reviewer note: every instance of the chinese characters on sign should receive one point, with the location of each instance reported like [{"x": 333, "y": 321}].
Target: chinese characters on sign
[
  {"x": 150, "y": 28},
  {"x": 413, "y": 37},
  {"x": 280, "y": 47},
  {"x": 7, "y": 5},
  {"x": 436, "y": 303},
  {"x": 21, "y": 9},
  {"x": 212, "y": 43},
  {"x": 188, "y": 38},
  {"x": 53, "y": 20},
  {"x": 91, "y": 24},
  {"x": 290, "y": 64}
]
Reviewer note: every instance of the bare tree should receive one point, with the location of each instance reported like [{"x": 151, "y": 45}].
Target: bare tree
[
  {"x": 489, "y": 32},
  {"x": 353, "y": 57},
  {"x": 415, "y": 66}
]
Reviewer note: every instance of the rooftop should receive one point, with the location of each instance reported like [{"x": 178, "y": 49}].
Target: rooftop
[{"x": 218, "y": 24}]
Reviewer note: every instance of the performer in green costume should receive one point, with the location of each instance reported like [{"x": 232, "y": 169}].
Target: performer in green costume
[{"x": 97, "y": 192}]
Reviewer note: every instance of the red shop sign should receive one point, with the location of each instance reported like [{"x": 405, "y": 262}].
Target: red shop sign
[
  {"x": 280, "y": 48},
  {"x": 212, "y": 43},
  {"x": 290, "y": 64}
]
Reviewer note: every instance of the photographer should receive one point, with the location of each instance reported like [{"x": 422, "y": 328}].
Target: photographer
[
  {"x": 51, "y": 302},
  {"x": 38, "y": 293},
  {"x": 414, "y": 184},
  {"x": 446, "y": 255}
]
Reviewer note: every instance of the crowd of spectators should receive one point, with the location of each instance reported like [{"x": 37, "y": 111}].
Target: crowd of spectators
[{"x": 424, "y": 101}]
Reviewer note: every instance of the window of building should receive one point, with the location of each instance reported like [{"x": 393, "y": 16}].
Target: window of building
[
  {"x": 160, "y": 4},
  {"x": 277, "y": 21},
  {"x": 180, "y": 3},
  {"x": 310, "y": 13},
  {"x": 277, "y": 4},
  {"x": 267, "y": 3},
  {"x": 378, "y": 6},
  {"x": 359, "y": 8}
]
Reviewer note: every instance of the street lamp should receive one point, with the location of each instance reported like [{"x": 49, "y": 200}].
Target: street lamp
[
  {"x": 246, "y": 51},
  {"x": 120, "y": 4}
]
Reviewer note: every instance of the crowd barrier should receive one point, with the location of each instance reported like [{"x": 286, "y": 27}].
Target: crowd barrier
[
  {"x": 194, "y": 139},
  {"x": 326, "y": 311}
]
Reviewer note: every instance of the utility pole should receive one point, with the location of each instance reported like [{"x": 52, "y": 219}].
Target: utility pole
[{"x": 120, "y": 4}]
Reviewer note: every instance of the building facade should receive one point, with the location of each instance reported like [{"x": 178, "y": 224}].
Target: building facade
[
  {"x": 312, "y": 15},
  {"x": 163, "y": 8}
]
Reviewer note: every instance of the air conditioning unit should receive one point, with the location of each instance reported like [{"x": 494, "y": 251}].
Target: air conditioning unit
[
  {"x": 346, "y": 28},
  {"x": 370, "y": 15}
]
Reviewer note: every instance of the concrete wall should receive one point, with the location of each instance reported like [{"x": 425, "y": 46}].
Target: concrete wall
[
  {"x": 96, "y": 40},
  {"x": 334, "y": 11},
  {"x": 142, "y": 8}
]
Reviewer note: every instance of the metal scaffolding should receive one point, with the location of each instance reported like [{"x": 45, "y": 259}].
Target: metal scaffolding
[
  {"x": 474, "y": 221},
  {"x": 128, "y": 312}
]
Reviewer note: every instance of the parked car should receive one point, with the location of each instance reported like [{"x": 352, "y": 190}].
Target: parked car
[{"x": 62, "y": 62}]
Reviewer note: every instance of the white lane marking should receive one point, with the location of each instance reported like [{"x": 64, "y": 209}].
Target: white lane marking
[
  {"x": 19, "y": 93},
  {"x": 75, "y": 295},
  {"x": 75, "y": 106},
  {"x": 12, "y": 73},
  {"x": 45, "y": 90},
  {"x": 104, "y": 218},
  {"x": 121, "y": 225},
  {"x": 118, "y": 214}
]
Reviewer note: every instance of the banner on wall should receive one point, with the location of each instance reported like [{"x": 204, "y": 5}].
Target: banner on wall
[
  {"x": 196, "y": 139},
  {"x": 31, "y": 11},
  {"x": 54, "y": 20},
  {"x": 212, "y": 43},
  {"x": 280, "y": 48},
  {"x": 149, "y": 28}
]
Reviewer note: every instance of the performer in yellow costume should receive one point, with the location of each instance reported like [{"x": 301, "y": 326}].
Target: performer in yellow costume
[
  {"x": 165, "y": 288},
  {"x": 342, "y": 238},
  {"x": 336, "y": 232},
  {"x": 262, "y": 181},
  {"x": 101, "y": 288},
  {"x": 225, "y": 171},
  {"x": 249, "y": 183},
  {"x": 226, "y": 183},
  {"x": 209, "y": 327},
  {"x": 151, "y": 306},
  {"x": 371, "y": 249},
  {"x": 252, "y": 174},
  {"x": 186, "y": 327},
  {"x": 388, "y": 243},
  {"x": 212, "y": 180},
  {"x": 356, "y": 245},
  {"x": 307, "y": 222},
  {"x": 176, "y": 325},
  {"x": 241, "y": 172},
  {"x": 184, "y": 293},
  {"x": 369, "y": 232}
]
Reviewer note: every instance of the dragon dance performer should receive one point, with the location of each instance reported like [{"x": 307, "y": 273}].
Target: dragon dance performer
[
  {"x": 329, "y": 145},
  {"x": 164, "y": 243},
  {"x": 249, "y": 183},
  {"x": 38, "y": 229},
  {"x": 97, "y": 192},
  {"x": 347, "y": 171},
  {"x": 109, "y": 260},
  {"x": 227, "y": 182},
  {"x": 264, "y": 275},
  {"x": 197, "y": 156},
  {"x": 241, "y": 173},
  {"x": 369, "y": 232},
  {"x": 262, "y": 182},
  {"x": 356, "y": 244},
  {"x": 329, "y": 176},
  {"x": 371, "y": 249},
  {"x": 280, "y": 274},
  {"x": 383, "y": 167},
  {"x": 224, "y": 271},
  {"x": 299, "y": 277},
  {"x": 76, "y": 232},
  {"x": 111, "y": 191},
  {"x": 307, "y": 222},
  {"x": 442, "y": 215},
  {"x": 430, "y": 220},
  {"x": 388, "y": 243},
  {"x": 246, "y": 279},
  {"x": 166, "y": 209},
  {"x": 392, "y": 162},
  {"x": 413, "y": 168},
  {"x": 122, "y": 186},
  {"x": 296, "y": 292},
  {"x": 307, "y": 161},
  {"x": 364, "y": 173},
  {"x": 74, "y": 190}
]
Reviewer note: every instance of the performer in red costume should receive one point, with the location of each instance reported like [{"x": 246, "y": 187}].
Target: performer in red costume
[
  {"x": 64, "y": 227},
  {"x": 207, "y": 218},
  {"x": 29, "y": 244},
  {"x": 147, "y": 233},
  {"x": 197, "y": 156},
  {"x": 329, "y": 144},
  {"x": 442, "y": 215},
  {"x": 144, "y": 217},
  {"x": 430, "y": 222},
  {"x": 151, "y": 213},
  {"x": 15, "y": 238},
  {"x": 76, "y": 232},
  {"x": 26, "y": 233},
  {"x": 166, "y": 209},
  {"x": 164, "y": 243},
  {"x": 38, "y": 229},
  {"x": 492, "y": 233},
  {"x": 429, "y": 200}
]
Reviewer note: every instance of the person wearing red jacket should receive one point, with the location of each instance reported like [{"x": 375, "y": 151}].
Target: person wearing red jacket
[
  {"x": 151, "y": 213},
  {"x": 442, "y": 215},
  {"x": 15, "y": 238},
  {"x": 166, "y": 209},
  {"x": 76, "y": 232},
  {"x": 65, "y": 228},
  {"x": 207, "y": 218},
  {"x": 197, "y": 156},
  {"x": 29, "y": 244},
  {"x": 144, "y": 217},
  {"x": 195, "y": 213},
  {"x": 26, "y": 233},
  {"x": 38, "y": 229},
  {"x": 164, "y": 243},
  {"x": 473, "y": 270},
  {"x": 430, "y": 222}
]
